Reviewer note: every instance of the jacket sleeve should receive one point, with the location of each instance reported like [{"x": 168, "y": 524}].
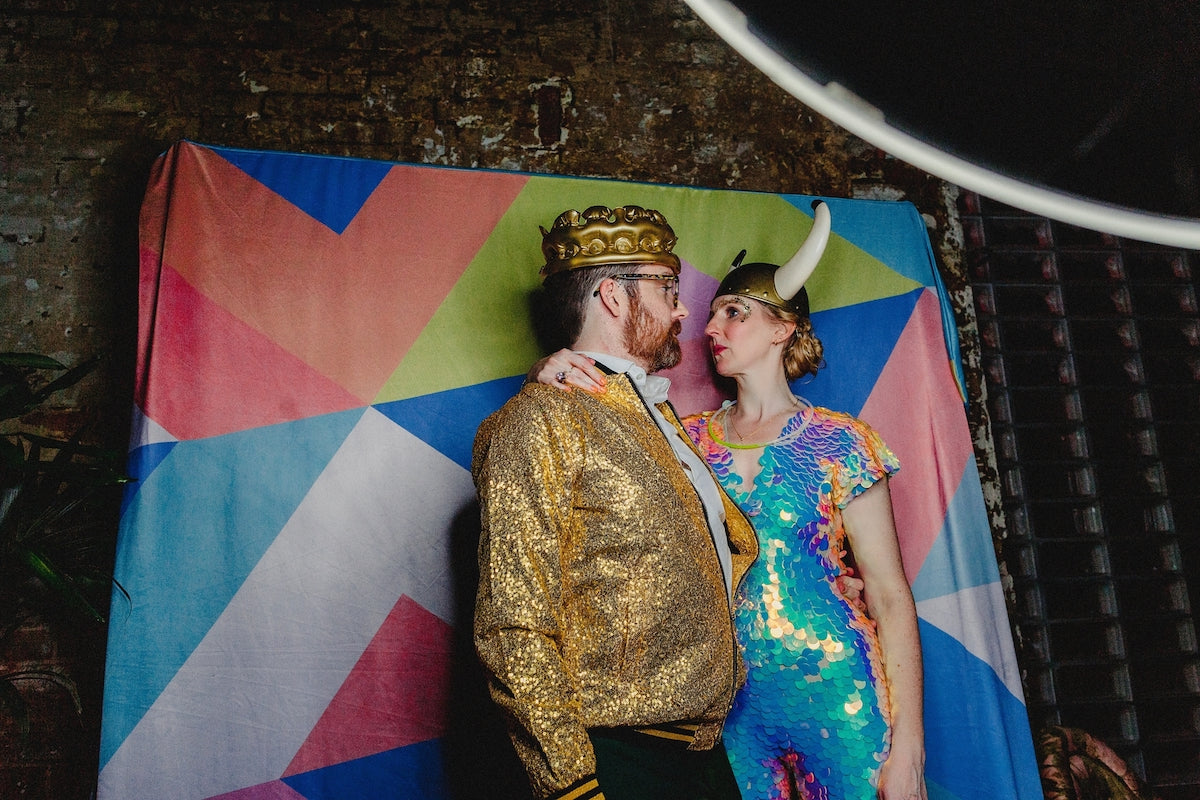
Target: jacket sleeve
[{"x": 524, "y": 467}]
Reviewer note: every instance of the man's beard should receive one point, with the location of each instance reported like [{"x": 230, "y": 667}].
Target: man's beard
[{"x": 649, "y": 341}]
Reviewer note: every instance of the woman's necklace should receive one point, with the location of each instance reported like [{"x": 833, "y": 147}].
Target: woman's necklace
[{"x": 726, "y": 422}]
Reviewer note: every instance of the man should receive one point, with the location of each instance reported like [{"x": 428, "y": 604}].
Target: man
[{"x": 608, "y": 555}]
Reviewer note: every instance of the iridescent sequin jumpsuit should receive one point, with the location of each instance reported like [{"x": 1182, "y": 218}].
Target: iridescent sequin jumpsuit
[{"x": 811, "y": 722}]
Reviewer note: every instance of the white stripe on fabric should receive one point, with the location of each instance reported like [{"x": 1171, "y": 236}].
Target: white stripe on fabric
[
  {"x": 977, "y": 618},
  {"x": 372, "y": 528}
]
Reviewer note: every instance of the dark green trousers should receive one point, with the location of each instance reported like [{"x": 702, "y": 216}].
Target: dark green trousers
[{"x": 634, "y": 766}]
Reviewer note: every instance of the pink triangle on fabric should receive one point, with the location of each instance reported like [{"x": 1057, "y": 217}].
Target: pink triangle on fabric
[
  {"x": 932, "y": 453},
  {"x": 396, "y": 695},
  {"x": 693, "y": 379},
  {"x": 209, "y": 373},
  {"x": 351, "y": 304}
]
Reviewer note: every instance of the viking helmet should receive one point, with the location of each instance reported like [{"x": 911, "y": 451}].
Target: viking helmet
[{"x": 781, "y": 286}]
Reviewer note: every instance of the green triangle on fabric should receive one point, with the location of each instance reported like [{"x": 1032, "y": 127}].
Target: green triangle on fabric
[
  {"x": 859, "y": 277},
  {"x": 483, "y": 331}
]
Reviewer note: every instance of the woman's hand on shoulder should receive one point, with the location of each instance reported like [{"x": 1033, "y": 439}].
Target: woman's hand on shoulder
[{"x": 566, "y": 370}]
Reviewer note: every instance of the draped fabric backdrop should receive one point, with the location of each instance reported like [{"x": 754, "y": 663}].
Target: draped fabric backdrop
[{"x": 320, "y": 337}]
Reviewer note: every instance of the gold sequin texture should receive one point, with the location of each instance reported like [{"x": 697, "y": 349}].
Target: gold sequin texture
[
  {"x": 601, "y": 601},
  {"x": 811, "y": 723}
]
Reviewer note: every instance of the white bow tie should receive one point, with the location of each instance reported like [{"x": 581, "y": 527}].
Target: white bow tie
[{"x": 651, "y": 387}]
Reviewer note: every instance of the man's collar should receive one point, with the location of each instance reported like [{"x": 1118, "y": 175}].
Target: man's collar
[{"x": 651, "y": 387}]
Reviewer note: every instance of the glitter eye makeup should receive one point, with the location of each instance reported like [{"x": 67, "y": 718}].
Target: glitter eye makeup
[{"x": 731, "y": 308}]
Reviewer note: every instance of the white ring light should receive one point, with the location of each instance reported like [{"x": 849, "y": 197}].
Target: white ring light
[{"x": 844, "y": 108}]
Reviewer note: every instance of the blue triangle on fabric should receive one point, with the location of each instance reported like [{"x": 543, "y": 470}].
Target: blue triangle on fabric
[
  {"x": 139, "y": 464},
  {"x": 853, "y": 361},
  {"x": 412, "y": 772},
  {"x": 176, "y": 554},
  {"x": 330, "y": 189},
  {"x": 953, "y": 562},
  {"x": 885, "y": 230},
  {"x": 975, "y": 741},
  {"x": 446, "y": 421}
]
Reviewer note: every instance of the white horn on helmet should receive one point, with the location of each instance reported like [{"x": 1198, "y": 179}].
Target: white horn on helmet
[{"x": 790, "y": 278}]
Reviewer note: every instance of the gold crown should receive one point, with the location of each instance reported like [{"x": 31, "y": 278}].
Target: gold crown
[{"x": 601, "y": 236}]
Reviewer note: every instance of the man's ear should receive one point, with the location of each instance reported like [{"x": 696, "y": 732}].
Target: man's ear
[{"x": 612, "y": 297}]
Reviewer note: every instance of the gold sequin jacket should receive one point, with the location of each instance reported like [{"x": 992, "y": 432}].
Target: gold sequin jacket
[{"x": 601, "y": 598}]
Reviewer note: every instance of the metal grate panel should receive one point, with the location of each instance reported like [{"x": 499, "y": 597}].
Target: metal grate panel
[{"x": 1091, "y": 353}]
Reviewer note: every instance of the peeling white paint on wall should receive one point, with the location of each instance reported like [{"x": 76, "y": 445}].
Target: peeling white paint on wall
[
  {"x": 61, "y": 223},
  {"x": 254, "y": 86},
  {"x": 386, "y": 97},
  {"x": 479, "y": 67},
  {"x": 435, "y": 151},
  {"x": 879, "y": 192}
]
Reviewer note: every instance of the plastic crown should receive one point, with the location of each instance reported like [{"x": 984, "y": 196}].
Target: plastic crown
[{"x": 601, "y": 236}]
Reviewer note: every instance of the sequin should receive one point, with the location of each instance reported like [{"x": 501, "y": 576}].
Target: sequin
[
  {"x": 812, "y": 721},
  {"x": 601, "y": 600}
]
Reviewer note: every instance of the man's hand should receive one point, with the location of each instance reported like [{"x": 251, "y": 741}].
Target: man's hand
[{"x": 850, "y": 585}]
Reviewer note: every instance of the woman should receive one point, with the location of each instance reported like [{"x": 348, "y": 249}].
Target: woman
[{"x": 831, "y": 708}]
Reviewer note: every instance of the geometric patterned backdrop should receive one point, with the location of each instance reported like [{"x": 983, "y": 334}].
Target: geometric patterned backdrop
[{"x": 319, "y": 339}]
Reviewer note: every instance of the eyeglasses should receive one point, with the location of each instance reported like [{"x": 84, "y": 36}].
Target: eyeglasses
[{"x": 670, "y": 284}]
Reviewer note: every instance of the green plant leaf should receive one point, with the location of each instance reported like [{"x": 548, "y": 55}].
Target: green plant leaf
[
  {"x": 30, "y": 361},
  {"x": 69, "y": 378},
  {"x": 59, "y": 581},
  {"x": 55, "y": 675}
]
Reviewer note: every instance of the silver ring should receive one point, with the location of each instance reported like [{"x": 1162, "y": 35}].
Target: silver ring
[{"x": 560, "y": 377}]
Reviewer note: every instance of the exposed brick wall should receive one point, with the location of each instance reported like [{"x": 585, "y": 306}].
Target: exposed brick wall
[{"x": 91, "y": 92}]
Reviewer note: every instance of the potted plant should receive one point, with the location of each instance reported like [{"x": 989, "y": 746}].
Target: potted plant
[{"x": 57, "y": 532}]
